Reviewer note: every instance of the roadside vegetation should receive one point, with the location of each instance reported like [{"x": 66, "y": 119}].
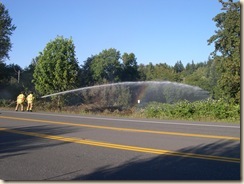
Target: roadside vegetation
[
  {"x": 205, "y": 110},
  {"x": 56, "y": 69}
]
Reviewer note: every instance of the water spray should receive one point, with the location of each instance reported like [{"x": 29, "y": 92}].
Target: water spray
[
  {"x": 143, "y": 92},
  {"x": 84, "y": 88}
]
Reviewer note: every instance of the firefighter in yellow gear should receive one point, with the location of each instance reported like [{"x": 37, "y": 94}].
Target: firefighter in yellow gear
[
  {"x": 20, "y": 101},
  {"x": 30, "y": 99}
]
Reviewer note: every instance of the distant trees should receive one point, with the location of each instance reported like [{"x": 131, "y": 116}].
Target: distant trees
[
  {"x": 179, "y": 67},
  {"x": 190, "y": 67},
  {"x": 87, "y": 73},
  {"x": 9, "y": 73},
  {"x": 6, "y": 30},
  {"x": 129, "y": 67},
  {"x": 159, "y": 72},
  {"x": 27, "y": 75},
  {"x": 107, "y": 67}
]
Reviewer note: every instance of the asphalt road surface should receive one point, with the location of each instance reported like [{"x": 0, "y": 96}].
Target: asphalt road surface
[{"x": 60, "y": 147}]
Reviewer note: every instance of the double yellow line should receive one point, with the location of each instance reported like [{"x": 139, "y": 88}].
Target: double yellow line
[
  {"x": 125, "y": 129},
  {"x": 124, "y": 147},
  {"x": 119, "y": 146}
]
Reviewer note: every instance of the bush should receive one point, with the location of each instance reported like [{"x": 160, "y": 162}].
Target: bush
[{"x": 214, "y": 110}]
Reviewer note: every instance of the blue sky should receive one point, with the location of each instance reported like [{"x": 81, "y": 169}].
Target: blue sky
[{"x": 157, "y": 31}]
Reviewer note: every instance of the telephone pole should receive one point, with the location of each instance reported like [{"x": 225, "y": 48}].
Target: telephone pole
[{"x": 18, "y": 75}]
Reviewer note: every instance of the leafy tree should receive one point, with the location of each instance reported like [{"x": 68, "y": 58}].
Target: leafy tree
[
  {"x": 212, "y": 74},
  {"x": 130, "y": 67},
  {"x": 159, "y": 72},
  {"x": 190, "y": 68},
  {"x": 10, "y": 85},
  {"x": 106, "y": 67},
  {"x": 86, "y": 72},
  {"x": 142, "y": 73},
  {"x": 164, "y": 72},
  {"x": 27, "y": 75},
  {"x": 9, "y": 73},
  {"x": 227, "y": 44},
  {"x": 4, "y": 75},
  {"x": 57, "y": 68},
  {"x": 149, "y": 71},
  {"x": 199, "y": 78},
  {"x": 6, "y": 30}
]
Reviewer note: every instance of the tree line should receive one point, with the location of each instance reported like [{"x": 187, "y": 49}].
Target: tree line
[{"x": 56, "y": 68}]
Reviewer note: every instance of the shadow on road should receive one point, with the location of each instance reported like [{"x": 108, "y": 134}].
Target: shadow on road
[
  {"x": 161, "y": 167},
  {"x": 12, "y": 144},
  {"x": 176, "y": 168}
]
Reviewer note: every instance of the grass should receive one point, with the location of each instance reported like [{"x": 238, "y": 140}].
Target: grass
[{"x": 206, "y": 110}]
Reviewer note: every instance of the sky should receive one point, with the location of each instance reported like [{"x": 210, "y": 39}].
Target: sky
[{"x": 156, "y": 31}]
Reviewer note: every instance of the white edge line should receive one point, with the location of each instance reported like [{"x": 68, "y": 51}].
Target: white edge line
[{"x": 138, "y": 120}]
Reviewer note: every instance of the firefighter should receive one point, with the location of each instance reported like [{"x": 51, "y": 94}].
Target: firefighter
[
  {"x": 30, "y": 99},
  {"x": 20, "y": 101}
]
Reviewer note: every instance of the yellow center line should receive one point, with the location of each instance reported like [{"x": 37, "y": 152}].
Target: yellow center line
[
  {"x": 124, "y": 147},
  {"x": 126, "y": 129}
]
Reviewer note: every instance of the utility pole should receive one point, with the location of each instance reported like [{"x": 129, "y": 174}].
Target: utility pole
[
  {"x": 18, "y": 75},
  {"x": 18, "y": 72}
]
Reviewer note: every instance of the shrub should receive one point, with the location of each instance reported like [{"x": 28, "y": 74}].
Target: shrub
[{"x": 215, "y": 110}]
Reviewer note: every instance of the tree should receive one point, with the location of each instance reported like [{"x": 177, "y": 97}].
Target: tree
[
  {"x": 27, "y": 75},
  {"x": 159, "y": 72},
  {"x": 10, "y": 85},
  {"x": 4, "y": 75},
  {"x": 9, "y": 73},
  {"x": 130, "y": 67},
  {"x": 178, "y": 67},
  {"x": 190, "y": 68},
  {"x": 57, "y": 68},
  {"x": 198, "y": 78},
  {"x": 6, "y": 30},
  {"x": 227, "y": 44},
  {"x": 150, "y": 71},
  {"x": 142, "y": 72},
  {"x": 214, "y": 75},
  {"x": 86, "y": 72},
  {"x": 106, "y": 67}
]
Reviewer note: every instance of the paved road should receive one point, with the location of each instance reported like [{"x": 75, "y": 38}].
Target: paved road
[{"x": 40, "y": 146}]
